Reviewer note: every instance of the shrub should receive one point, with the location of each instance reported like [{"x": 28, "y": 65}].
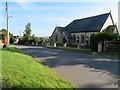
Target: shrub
[
  {"x": 96, "y": 38},
  {"x": 12, "y": 40}
]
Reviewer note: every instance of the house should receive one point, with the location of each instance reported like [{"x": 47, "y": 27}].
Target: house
[{"x": 78, "y": 32}]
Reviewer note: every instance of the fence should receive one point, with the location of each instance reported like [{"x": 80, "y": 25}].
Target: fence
[{"x": 113, "y": 46}]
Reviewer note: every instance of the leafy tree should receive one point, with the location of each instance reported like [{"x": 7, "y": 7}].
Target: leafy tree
[
  {"x": 41, "y": 40},
  {"x": 12, "y": 40},
  {"x": 27, "y": 33},
  {"x": 4, "y": 33}
]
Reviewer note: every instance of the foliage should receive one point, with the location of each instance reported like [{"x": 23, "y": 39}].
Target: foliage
[
  {"x": 22, "y": 71},
  {"x": 93, "y": 42},
  {"x": 38, "y": 40},
  {"x": 119, "y": 37},
  {"x": 12, "y": 40},
  {"x": 27, "y": 33},
  {"x": 96, "y": 38},
  {"x": 30, "y": 39},
  {"x": 4, "y": 33}
]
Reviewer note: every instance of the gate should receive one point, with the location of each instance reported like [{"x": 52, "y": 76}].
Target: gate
[{"x": 113, "y": 46}]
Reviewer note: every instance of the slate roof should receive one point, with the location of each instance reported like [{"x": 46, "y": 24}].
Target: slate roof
[
  {"x": 89, "y": 24},
  {"x": 60, "y": 29},
  {"x": 67, "y": 34}
]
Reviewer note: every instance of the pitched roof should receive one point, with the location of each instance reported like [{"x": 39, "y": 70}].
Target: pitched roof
[
  {"x": 59, "y": 29},
  {"x": 89, "y": 24},
  {"x": 67, "y": 34}
]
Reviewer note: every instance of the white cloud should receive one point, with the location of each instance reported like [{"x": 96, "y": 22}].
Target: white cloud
[{"x": 24, "y": 5}]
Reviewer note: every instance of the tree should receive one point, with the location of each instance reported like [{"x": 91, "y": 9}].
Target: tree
[
  {"x": 27, "y": 33},
  {"x": 38, "y": 40},
  {"x": 12, "y": 40},
  {"x": 4, "y": 33}
]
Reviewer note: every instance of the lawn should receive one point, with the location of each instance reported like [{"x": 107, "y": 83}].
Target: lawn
[{"x": 22, "y": 71}]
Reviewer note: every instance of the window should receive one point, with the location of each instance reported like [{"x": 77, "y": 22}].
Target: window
[
  {"x": 78, "y": 39},
  {"x": 82, "y": 38},
  {"x": 56, "y": 38},
  {"x": 74, "y": 38},
  {"x": 87, "y": 40}
]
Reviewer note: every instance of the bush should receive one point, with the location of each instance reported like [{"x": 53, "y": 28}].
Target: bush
[
  {"x": 12, "y": 40},
  {"x": 93, "y": 42},
  {"x": 96, "y": 38}
]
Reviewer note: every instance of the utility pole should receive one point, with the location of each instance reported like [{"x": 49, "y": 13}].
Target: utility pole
[{"x": 7, "y": 21}]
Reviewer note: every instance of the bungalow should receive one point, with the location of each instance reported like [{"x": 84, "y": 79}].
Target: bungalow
[{"x": 79, "y": 31}]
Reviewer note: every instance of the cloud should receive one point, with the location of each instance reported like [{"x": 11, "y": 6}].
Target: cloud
[{"x": 24, "y": 5}]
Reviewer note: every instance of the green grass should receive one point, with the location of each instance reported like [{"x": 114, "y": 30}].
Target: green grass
[{"x": 22, "y": 71}]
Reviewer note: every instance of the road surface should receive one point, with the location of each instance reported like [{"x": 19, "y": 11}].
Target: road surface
[{"x": 83, "y": 70}]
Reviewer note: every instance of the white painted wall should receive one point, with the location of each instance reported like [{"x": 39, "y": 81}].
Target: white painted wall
[{"x": 107, "y": 23}]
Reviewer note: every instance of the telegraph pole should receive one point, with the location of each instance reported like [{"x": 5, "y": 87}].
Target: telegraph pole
[{"x": 7, "y": 21}]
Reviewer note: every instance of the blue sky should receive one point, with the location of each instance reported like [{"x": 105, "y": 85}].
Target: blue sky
[{"x": 44, "y": 16}]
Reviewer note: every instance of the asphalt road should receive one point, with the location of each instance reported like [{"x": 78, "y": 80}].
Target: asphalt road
[{"x": 83, "y": 70}]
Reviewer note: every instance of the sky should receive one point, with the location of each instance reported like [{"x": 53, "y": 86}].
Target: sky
[{"x": 44, "y": 16}]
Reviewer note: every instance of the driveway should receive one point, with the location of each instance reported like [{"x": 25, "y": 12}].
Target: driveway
[{"x": 83, "y": 70}]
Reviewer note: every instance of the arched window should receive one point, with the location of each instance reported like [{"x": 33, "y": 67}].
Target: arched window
[
  {"x": 56, "y": 38},
  {"x": 78, "y": 39},
  {"x": 82, "y": 38},
  {"x": 64, "y": 39},
  {"x": 74, "y": 39},
  {"x": 87, "y": 40}
]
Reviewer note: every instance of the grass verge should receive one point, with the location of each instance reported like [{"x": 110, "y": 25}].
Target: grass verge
[
  {"x": 22, "y": 71},
  {"x": 86, "y": 51}
]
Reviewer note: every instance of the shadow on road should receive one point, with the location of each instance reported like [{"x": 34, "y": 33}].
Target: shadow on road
[{"x": 55, "y": 58}]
